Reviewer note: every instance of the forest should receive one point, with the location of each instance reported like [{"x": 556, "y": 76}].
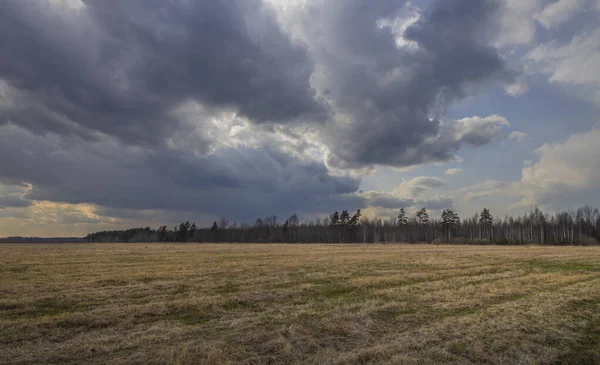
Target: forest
[{"x": 580, "y": 227}]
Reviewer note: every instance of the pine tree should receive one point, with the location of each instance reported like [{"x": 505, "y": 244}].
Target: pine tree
[
  {"x": 355, "y": 219},
  {"x": 423, "y": 216},
  {"x": 353, "y": 223},
  {"x": 183, "y": 232},
  {"x": 192, "y": 231},
  {"x": 335, "y": 219},
  {"x": 285, "y": 226},
  {"x": 402, "y": 218},
  {"x": 162, "y": 234},
  {"x": 344, "y": 217},
  {"x": 450, "y": 220},
  {"x": 423, "y": 219},
  {"x": 486, "y": 220}
]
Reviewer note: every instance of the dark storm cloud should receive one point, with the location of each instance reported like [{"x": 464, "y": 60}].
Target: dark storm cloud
[
  {"x": 12, "y": 201},
  {"x": 12, "y": 196},
  {"x": 389, "y": 100},
  {"x": 119, "y": 103},
  {"x": 119, "y": 67},
  {"x": 237, "y": 183}
]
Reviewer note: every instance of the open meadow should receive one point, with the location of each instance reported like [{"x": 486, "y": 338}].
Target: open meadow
[{"x": 285, "y": 304}]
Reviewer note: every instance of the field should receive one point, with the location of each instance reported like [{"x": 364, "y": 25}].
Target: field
[{"x": 285, "y": 304}]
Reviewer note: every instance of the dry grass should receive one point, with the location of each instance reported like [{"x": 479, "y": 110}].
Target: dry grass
[{"x": 282, "y": 304}]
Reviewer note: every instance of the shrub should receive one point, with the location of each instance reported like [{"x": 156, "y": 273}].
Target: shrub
[
  {"x": 438, "y": 241},
  {"x": 588, "y": 241},
  {"x": 503, "y": 242},
  {"x": 461, "y": 241}
]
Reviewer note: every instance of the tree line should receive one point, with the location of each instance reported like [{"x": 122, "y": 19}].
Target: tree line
[{"x": 581, "y": 227}]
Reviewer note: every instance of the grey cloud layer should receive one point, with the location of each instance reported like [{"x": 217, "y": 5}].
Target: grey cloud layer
[
  {"x": 93, "y": 99},
  {"x": 412, "y": 193},
  {"x": 119, "y": 67},
  {"x": 389, "y": 100},
  {"x": 239, "y": 183},
  {"x": 12, "y": 201}
]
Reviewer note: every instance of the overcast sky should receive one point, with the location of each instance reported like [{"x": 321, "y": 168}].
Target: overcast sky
[{"x": 121, "y": 113}]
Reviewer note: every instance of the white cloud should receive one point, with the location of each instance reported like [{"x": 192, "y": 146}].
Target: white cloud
[
  {"x": 517, "y": 136},
  {"x": 567, "y": 174},
  {"x": 568, "y": 170},
  {"x": 417, "y": 186},
  {"x": 521, "y": 17},
  {"x": 487, "y": 188},
  {"x": 518, "y": 25},
  {"x": 453, "y": 171},
  {"x": 477, "y": 130},
  {"x": 576, "y": 63},
  {"x": 558, "y": 12},
  {"x": 518, "y": 88},
  {"x": 399, "y": 27},
  {"x": 67, "y": 4},
  {"x": 410, "y": 194}
]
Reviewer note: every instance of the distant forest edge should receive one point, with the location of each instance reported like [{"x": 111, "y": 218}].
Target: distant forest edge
[
  {"x": 580, "y": 227},
  {"x": 42, "y": 240}
]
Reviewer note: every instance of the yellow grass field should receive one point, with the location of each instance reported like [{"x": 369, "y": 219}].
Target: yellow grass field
[{"x": 298, "y": 304}]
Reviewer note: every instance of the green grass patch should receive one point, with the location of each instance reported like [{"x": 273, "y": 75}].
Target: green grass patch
[{"x": 553, "y": 266}]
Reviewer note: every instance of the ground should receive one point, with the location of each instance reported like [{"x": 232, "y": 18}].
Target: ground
[{"x": 310, "y": 304}]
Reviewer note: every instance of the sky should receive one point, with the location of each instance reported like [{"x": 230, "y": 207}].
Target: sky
[{"x": 117, "y": 114}]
